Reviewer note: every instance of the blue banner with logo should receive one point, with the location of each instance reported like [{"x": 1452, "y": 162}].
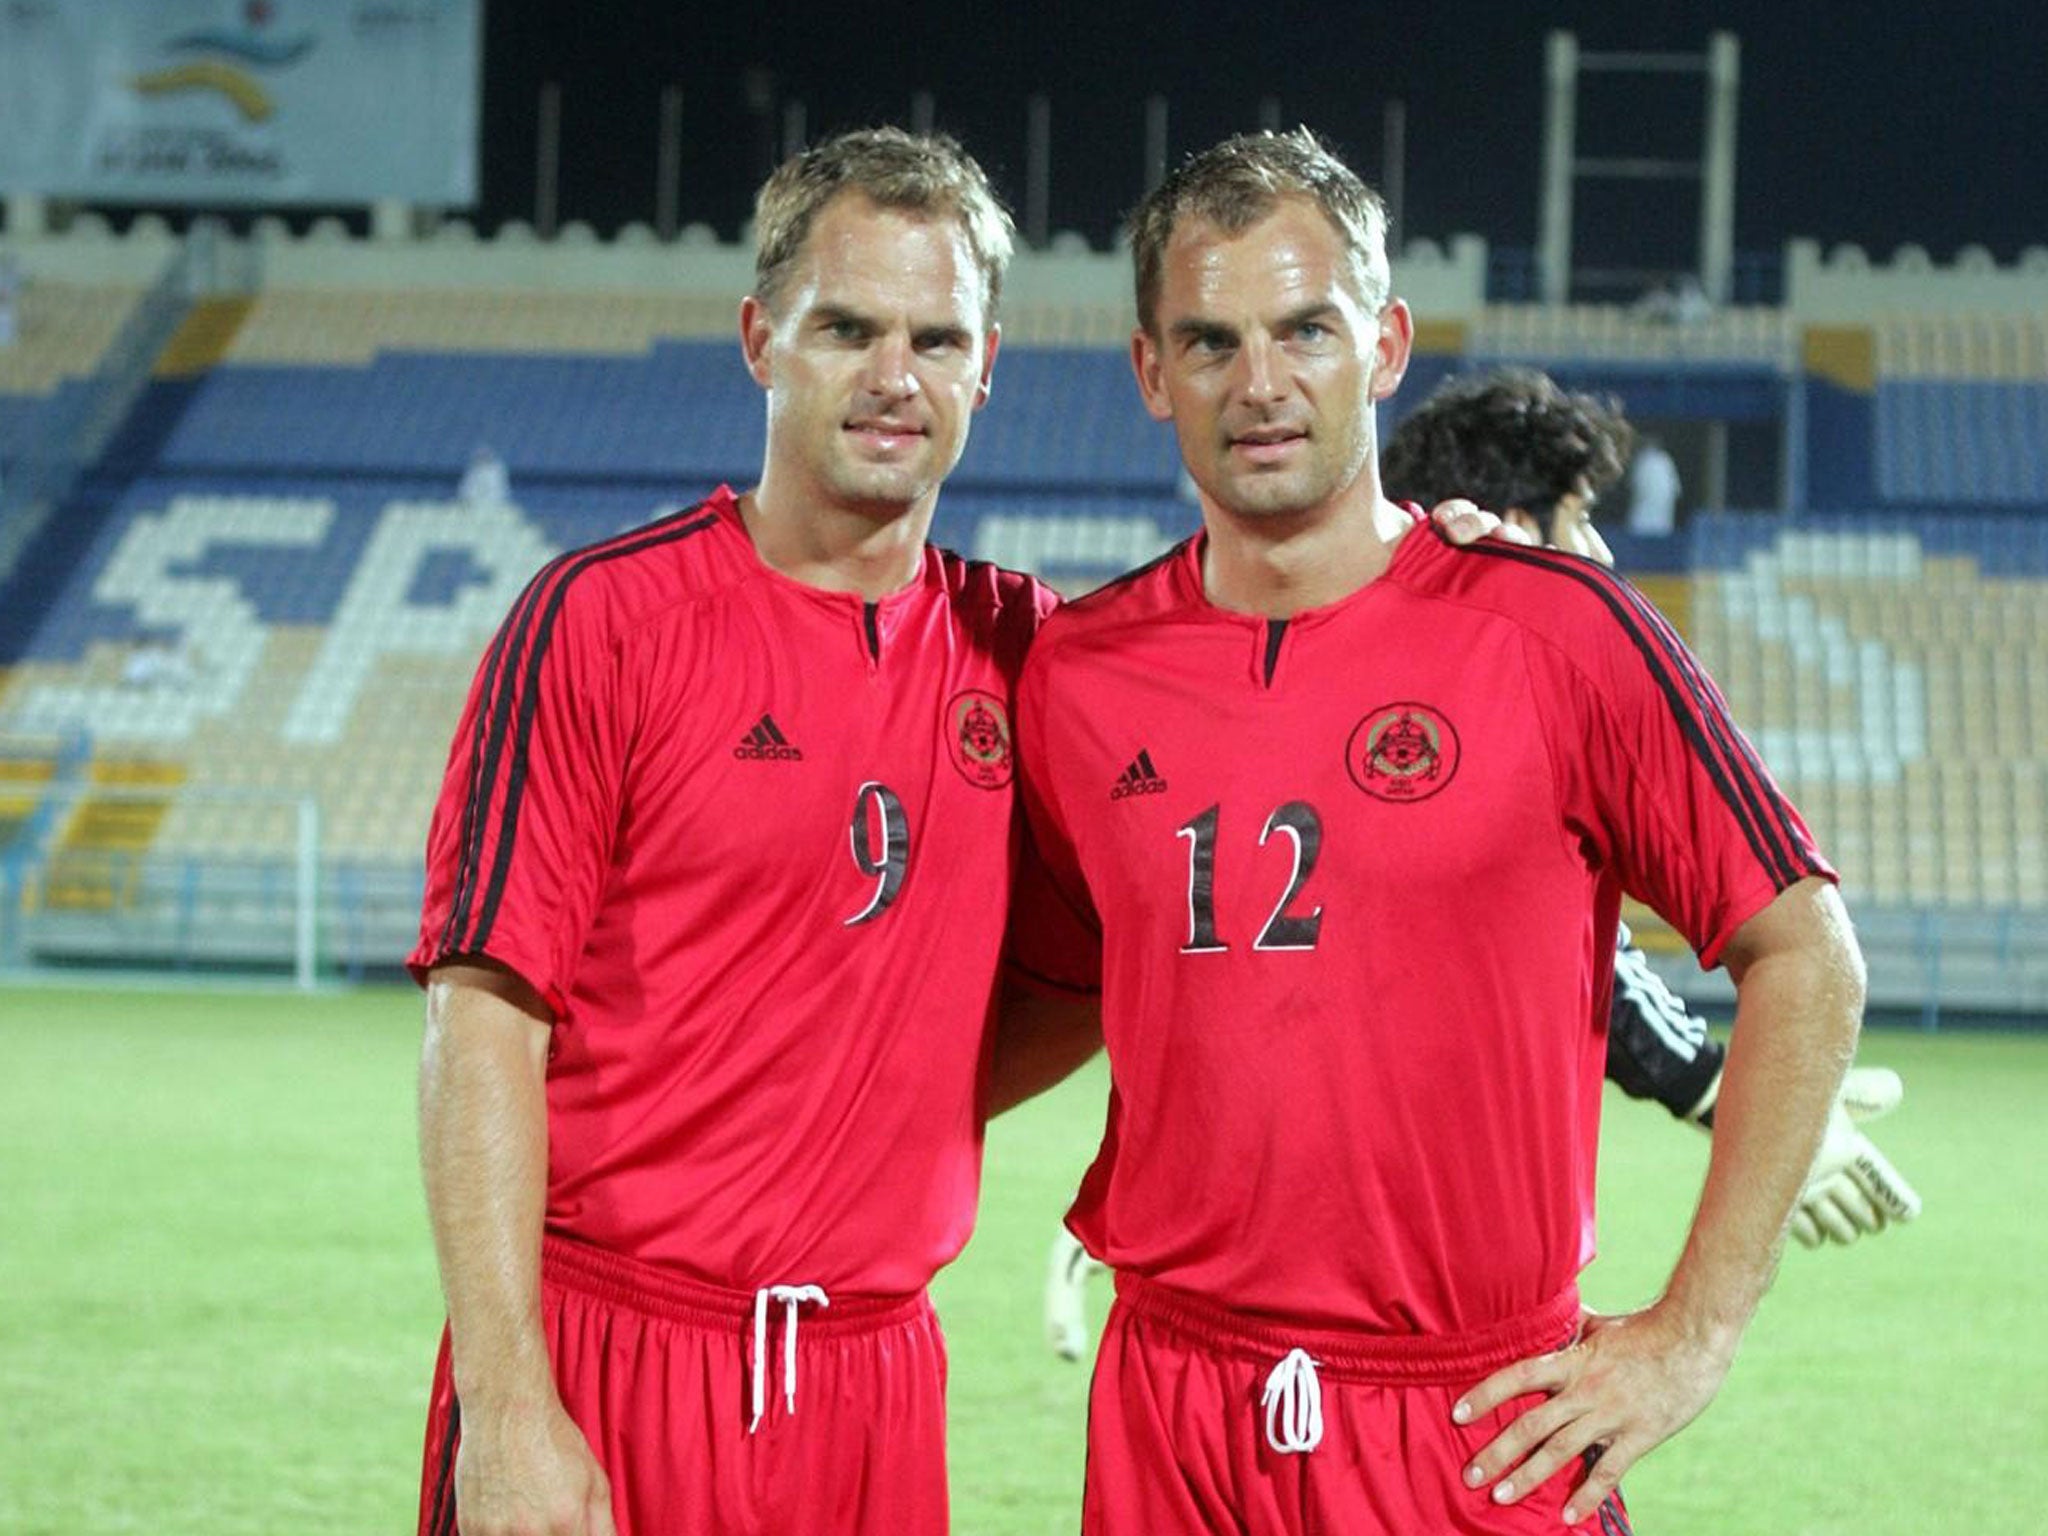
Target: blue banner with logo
[{"x": 240, "y": 101}]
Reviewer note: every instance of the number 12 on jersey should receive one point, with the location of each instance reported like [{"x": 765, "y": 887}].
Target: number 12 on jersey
[{"x": 1285, "y": 929}]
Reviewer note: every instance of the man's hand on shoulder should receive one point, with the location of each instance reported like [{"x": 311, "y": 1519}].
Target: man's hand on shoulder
[{"x": 1464, "y": 522}]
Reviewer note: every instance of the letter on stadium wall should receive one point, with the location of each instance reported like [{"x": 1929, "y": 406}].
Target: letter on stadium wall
[
  {"x": 219, "y": 638},
  {"x": 379, "y": 617}
]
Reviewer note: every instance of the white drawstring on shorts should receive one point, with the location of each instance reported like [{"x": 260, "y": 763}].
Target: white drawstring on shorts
[
  {"x": 1294, "y": 1405},
  {"x": 791, "y": 1297}
]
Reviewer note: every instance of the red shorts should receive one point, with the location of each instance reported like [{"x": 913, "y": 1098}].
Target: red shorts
[
  {"x": 660, "y": 1374},
  {"x": 1178, "y": 1427}
]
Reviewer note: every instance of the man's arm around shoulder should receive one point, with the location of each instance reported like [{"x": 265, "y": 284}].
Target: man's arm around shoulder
[
  {"x": 523, "y": 1466},
  {"x": 1042, "y": 1039}
]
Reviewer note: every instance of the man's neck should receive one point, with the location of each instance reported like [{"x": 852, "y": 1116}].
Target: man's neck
[
  {"x": 868, "y": 551},
  {"x": 1278, "y": 567}
]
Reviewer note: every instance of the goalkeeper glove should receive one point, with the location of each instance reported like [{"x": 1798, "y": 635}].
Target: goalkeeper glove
[
  {"x": 1852, "y": 1187},
  {"x": 1066, "y": 1296}
]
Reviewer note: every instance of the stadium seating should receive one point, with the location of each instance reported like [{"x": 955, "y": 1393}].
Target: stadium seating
[
  {"x": 1962, "y": 409},
  {"x": 1902, "y": 696},
  {"x": 61, "y": 331},
  {"x": 1606, "y": 333},
  {"x": 279, "y": 599},
  {"x": 338, "y": 328},
  {"x": 302, "y": 638}
]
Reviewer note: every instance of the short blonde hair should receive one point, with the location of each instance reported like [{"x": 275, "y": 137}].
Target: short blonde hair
[
  {"x": 1236, "y": 183},
  {"x": 922, "y": 173}
]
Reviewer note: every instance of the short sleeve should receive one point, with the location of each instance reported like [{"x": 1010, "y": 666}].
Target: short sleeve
[
  {"x": 522, "y": 835},
  {"x": 1664, "y": 783},
  {"x": 1055, "y": 936}
]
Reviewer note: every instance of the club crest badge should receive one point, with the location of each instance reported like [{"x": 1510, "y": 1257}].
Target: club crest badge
[
  {"x": 977, "y": 728},
  {"x": 1402, "y": 753}
]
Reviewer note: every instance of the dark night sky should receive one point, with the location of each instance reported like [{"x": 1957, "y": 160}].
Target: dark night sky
[{"x": 1876, "y": 124}]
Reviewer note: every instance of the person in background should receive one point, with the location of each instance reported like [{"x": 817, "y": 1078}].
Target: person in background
[{"x": 1653, "y": 490}]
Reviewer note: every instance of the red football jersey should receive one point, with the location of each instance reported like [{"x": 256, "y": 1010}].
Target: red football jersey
[
  {"x": 1356, "y": 877},
  {"x": 751, "y": 840}
]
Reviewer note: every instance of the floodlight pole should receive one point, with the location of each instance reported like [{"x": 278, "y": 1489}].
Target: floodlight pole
[
  {"x": 547, "y": 175},
  {"x": 1717, "y": 184},
  {"x": 668, "y": 167},
  {"x": 1560, "y": 128},
  {"x": 1394, "y": 168},
  {"x": 1038, "y": 172},
  {"x": 1155, "y": 141}
]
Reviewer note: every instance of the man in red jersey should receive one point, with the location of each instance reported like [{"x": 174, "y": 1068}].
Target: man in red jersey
[
  {"x": 713, "y": 912},
  {"x": 1353, "y": 971},
  {"x": 1514, "y": 438}
]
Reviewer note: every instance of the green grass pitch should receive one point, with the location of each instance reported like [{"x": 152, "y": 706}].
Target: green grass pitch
[{"x": 218, "y": 1306}]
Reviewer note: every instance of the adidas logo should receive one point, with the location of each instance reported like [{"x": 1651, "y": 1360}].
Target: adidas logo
[
  {"x": 766, "y": 740},
  {"x": 1141, "y": 778}
]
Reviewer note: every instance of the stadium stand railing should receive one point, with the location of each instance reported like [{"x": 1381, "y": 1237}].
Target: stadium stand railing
[{"x": 1962, "y": 408}]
